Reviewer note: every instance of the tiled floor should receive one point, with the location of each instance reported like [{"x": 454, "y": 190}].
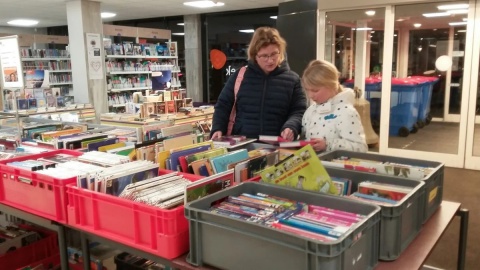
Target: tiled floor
[{"x": 436, "y": 137}]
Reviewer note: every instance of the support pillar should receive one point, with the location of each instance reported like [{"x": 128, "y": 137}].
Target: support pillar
[{"x": 193, "y": 57}]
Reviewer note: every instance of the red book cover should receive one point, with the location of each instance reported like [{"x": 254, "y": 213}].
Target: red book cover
[
  {"x": 271, "y": 139},
  {"x": 300, "y": 143}
]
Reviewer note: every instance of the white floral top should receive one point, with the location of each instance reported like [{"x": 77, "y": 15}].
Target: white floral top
[{"x": 336, "y": 121}]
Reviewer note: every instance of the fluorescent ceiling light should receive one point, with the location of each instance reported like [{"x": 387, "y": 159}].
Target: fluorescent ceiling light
[
  {"x": 23, "y": 22},
  {"x": 273, "y": 17},
  {"x": 458, "y": 11},
  {"x": 457, "y": 23},
  {"x": 178, "y": 34},
  {"x": 363, "y": 28},
  {"x": 462, "y": 31},
  {"x": 370, "y": 12},
  {"x": 417, "y": 25},
  {"x": 204, "y": 4},
  {"x": 455, "y": 6},
  {"x": 182, "y": 24},
  {"x": 107, "y": 15},
  {"x": 247, "y": 31},
  {"x": 464, "y": 19},
  {"x": 432, "y": 45},
  {"x": 436, "y": 14}
]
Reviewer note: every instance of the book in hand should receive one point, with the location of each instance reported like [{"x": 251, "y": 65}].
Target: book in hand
[
  {"x": 228, "y": 140},
  {"x": 302, "y": 170},
  {"x": 300, "y": 143},
  {"x": 271, "y": 139}
]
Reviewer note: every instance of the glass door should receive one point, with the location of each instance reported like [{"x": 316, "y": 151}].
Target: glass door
[{"x": 472, "y": 154}]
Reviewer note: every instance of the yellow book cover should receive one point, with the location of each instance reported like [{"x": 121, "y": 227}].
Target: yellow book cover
[
  {"x": 111, "y": 146},
  {"x": 302, "y": 170},
  {"x": 50, "y": 135}
]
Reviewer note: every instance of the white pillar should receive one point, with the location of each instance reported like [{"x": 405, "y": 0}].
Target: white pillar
[
  {"x": 193, "y": 57},
  {"x": 84, "y": 17}
]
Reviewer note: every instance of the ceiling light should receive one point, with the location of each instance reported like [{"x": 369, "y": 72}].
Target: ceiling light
[
  {"x": 458, "y": 11},
  {"x": 394, "y": 35},
  {"x": 247, "y": 31},
  {"x": 464, "y": 19},
  {"x": 432, "y": 45},
  {"x": 107, "y": 15},
  {"x": 455, "y": 6},
  {"x": 370, "y": 12},
  {"x": 182, "y": 24},
  {"x": 436, "y": 14},
  {"x": 273, "y": 17},
  {"x": 364, "y": 28},
  {"x": 457, "y": 23},
  {"x": 204, "y": 4},
  {"x": 417, "y": 25},
  {"x": 178, "y": 34},
  {"x": 23, "y": 22},
  {"x": 462, "y": 31}
]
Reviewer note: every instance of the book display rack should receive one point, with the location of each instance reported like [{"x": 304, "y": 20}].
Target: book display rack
[{"x": 136, "y": 60}]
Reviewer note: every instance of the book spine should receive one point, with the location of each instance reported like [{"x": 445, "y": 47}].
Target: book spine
[
  {"x": 307, "y": 234},
  {"x": 326, "y": 219},
  {"x": 311, "y": 227},
  {"x": 374, "y": 198}
]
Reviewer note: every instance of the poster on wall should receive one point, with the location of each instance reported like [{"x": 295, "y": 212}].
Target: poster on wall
[
  {"x": 10, "y": 63},
  {"x": 95, "y": 64}
]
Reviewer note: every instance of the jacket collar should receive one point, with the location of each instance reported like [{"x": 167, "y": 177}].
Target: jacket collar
[{"x": 283, "y": 67}]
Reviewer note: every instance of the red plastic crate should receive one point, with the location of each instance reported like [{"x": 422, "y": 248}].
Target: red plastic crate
[
  {"x": 47, "y": 263},
  {"x": 33, "y": 192},
  {"x": 39, "y": 250},
  {"x": 154, "y": 230}
]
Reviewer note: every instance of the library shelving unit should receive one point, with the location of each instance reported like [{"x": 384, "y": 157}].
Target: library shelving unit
[
  {"x": 43, "y": 53},
  {"x": 133, "y": 58}
]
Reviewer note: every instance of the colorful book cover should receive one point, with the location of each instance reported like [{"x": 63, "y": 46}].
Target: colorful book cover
[
  {"x": 208, "y": 185},
  {"x": 302, "y": 170},
  {"x": 161, "y": 79},
  {"x": 206, "y": 154},
  {"x": 116, "y": 186},
  {"x": 220, "y": 163}
]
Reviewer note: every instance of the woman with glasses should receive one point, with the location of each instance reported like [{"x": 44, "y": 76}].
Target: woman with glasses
[{"x": 270, "y": 99}]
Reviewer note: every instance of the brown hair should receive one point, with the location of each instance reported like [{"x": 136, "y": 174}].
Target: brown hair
[
  {"x": 263, "y": 37},
  {"x": 321, "y": 73}
]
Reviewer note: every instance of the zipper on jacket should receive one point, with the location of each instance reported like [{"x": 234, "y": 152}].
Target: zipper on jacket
[{"x": 261, "y": 106}]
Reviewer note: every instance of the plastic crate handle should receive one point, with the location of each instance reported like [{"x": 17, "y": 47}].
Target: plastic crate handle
[{"x": 25, "y": 180}]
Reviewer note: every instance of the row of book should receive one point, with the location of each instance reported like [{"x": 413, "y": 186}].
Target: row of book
[
  {"x": 117, "y": 66},
  {"x": 43, "y": 53},
  {"x": 129, "y": 48},
  {"x": 125, "y": 81},
  {"x": 50, "y": 65},
  {"x": 310, "y": 221},
  {"x": 386, "y": 168}
]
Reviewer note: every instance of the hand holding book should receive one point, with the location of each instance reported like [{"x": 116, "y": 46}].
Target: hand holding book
[{"x": 318, "y": 144}]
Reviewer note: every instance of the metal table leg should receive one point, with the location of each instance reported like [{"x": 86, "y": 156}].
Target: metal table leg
[
  {"x": 85, "y": 251},
  {"x": 462, "y": 244},
  {"x": 62, "y": 245}
]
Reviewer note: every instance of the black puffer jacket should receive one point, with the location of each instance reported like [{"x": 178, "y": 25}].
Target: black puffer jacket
[{"x": 266, "y": 104}]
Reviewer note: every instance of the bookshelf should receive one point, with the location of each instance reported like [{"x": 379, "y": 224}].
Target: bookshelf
[
  {"x": 54, "y": 62},
  {"x": 134, "y": 57}
]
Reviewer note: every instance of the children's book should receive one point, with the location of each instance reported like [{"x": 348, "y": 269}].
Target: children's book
[
  {"x": 220, "y": 163},
  {"x": 300, "y": 143},
  {"x": 302, "y": 170},
  {"x": 208, "y": 185}
]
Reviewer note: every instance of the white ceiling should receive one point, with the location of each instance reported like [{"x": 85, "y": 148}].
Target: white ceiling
[{"x": 53, "y": 12}]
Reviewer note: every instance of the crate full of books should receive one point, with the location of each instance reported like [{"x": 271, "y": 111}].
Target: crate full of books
[
  {"x": 22, "y": 185},
  {"x": 401, "y": 200},
  {"x": 430, "y": 172},
  {"x": 137, "y": 205},
  {"x": 275, "y": 227}
]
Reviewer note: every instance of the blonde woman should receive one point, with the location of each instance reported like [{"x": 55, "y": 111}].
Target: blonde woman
[
  {"x": 331, "y": 122},
  {"x": 270, "y": 100}
]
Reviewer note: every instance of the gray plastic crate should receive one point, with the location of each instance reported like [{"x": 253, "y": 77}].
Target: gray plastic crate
[
  {"x": 433, "y": 182},
  {"x": 399, "y": 224},
  {"x": 229, "y": 243}
]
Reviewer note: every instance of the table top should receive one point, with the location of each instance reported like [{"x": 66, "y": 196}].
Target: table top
[{"x": 413, "y": 257}]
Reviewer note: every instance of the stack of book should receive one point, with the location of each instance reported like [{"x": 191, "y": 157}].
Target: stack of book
[{"x": 380, "y": 193}]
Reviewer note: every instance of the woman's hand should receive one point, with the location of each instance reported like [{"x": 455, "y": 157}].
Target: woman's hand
[
  {"x": 217, "y": 134},
  {"x": 318, "y": 144},
  {"x": 287, "y": 134}
]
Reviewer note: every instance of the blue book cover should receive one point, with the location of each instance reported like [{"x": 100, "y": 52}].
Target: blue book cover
[
  {"x": 95, "y": 145},
  {"x": 116, "y": 186},
  {"x": 220, "y": 163},
  {"x": 174, "y": 162}
]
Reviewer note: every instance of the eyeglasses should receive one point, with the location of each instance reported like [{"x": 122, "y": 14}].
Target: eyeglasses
[{"x": 265, "y": 57}]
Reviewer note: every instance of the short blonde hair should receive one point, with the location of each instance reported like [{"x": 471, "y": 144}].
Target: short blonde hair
[
  {"x": 263, "y": 37},
  {"x": 321, "y": 73}
]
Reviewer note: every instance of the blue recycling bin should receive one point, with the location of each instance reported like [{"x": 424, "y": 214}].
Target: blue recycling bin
[
  {"x": 426, "y": 98},
  {"x": 404, "y": 107}
]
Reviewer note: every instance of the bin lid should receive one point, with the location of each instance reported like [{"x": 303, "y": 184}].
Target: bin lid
[
  {"x": 404, "y": 81},
  {"x": 367, "y": 81},
  {"x": 425, "y": 78}
]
